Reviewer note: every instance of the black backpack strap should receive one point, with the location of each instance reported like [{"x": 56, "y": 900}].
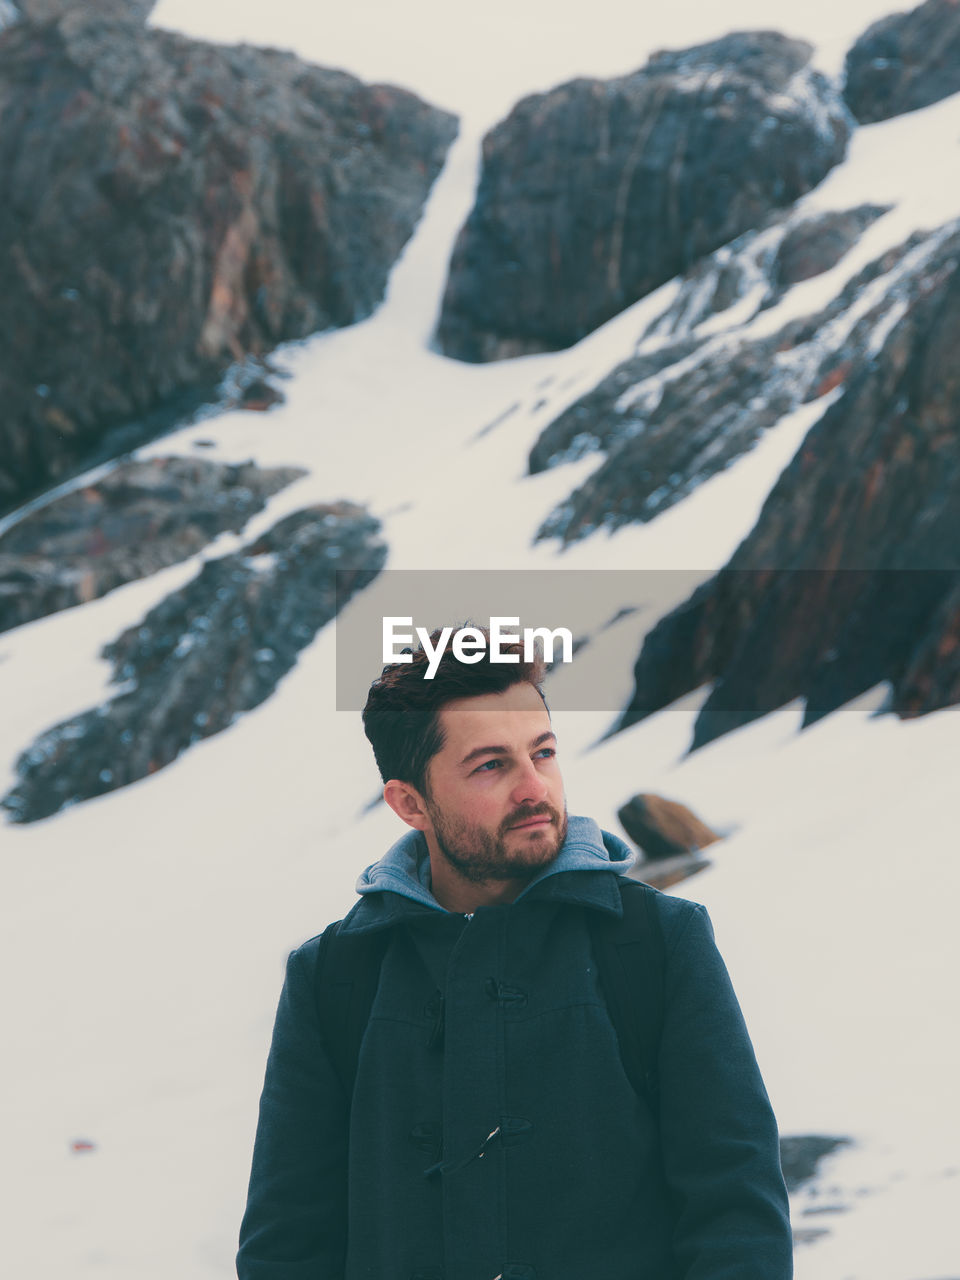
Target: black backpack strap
[
  {"x": 346, "y": 979},
  {"x": 631, "y": 959}
]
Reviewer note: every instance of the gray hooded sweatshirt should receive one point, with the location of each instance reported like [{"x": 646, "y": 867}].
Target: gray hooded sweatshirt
[{"x": 492, "y": 1133}]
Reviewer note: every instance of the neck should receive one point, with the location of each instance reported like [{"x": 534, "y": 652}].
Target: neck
[{"x": 456, "y": 893}]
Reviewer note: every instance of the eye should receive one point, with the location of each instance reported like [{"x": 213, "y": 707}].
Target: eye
[
  {"x": 546, "y": 752},
  {"x": 488, "y": 766}
]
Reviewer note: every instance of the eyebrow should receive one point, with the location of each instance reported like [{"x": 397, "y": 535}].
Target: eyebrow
[{"x": 546, "y": 736}]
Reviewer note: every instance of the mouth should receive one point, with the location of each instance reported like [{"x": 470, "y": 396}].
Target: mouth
[{"x": 529, "y": 824}]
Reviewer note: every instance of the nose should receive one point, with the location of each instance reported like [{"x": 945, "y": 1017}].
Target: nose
[{"x": 530, "y": 786}]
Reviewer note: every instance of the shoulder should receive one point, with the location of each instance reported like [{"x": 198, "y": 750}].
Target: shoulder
[
  {"x": 677, "y": 918},
  {"x": 341, "y": 947},
  {"x": 309, "y": 954}
]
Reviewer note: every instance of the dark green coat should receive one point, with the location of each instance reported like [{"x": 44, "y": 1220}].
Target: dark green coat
[{"x": 507, "y": 1142}]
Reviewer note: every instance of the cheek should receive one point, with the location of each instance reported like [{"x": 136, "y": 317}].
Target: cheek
[
  {"x": 481, "y": 804},
  {"x": 489, "y": 806}
]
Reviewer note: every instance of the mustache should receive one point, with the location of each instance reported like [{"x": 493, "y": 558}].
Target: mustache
[{"x": 534, "y": 811}]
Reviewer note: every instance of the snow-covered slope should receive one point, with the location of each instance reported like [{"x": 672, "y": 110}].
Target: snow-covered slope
[{"x": 143, "y": 934}]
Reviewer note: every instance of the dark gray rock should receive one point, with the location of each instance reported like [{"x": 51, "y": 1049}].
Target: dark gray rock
[
  {"x": 932, "y": 677},
  {"x": 140, "y": 518},
  {"x": 816, "y": 244},
  {"x": 673, "y": 436},
  {"x": 905, "y": 61},
  {"x": 171, "y": 206},
  {"x": 784, "y": 250},
  {"x": 594, "y": 422},
  {"x": 671, "y": 417},
  {"x": 664, "y": 873},
  {"x": 801, "y": 1154},
  {"x": 851, "y": 574},
  {"x": 203, "y": 656},
  {"x": 597, "y": 192},
  {"x": 47, "y": 12}
]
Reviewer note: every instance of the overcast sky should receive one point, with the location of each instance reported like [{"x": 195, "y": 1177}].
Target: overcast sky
[{"x": 479, "y": 58}]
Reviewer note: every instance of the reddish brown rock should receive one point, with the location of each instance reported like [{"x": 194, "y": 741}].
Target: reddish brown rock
[
  {"x": 664, "y": 828},
  {"x": 169, "y": 207}
]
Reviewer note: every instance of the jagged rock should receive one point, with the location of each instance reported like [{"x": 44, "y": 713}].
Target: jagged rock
[
  {"x": 765, "y": 263},
  {"x": 800, "y": 1156},
  {"x": 170, "y": 206},
  {"x": 260, "y": 395},
  {"x": 816, "y": 244},
  {"x": 140, "y": 518},
  {"x": 597, "y": 192},
  {"x": 668, "y": 435},
  {"x": 45, "y": 12},
  {"x": 594, "y": 422},
  {"x": 664, "y": 828},
  {"x": 850, "y": 577},
  {"x": 203, "y": 656},
  {"x": 674, "y": 415},
  {"x": 905, "y": 61},
  {"x": 932, "y": 678},
  {"x": 664, "y": 873}
]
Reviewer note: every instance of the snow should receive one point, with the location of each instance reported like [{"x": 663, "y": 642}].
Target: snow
[
  {"x": 479, "y": 60},
  {"x": 143, "y": 933}
]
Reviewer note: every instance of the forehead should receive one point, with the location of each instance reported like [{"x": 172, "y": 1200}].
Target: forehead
[{"x": 510, "y": 718}]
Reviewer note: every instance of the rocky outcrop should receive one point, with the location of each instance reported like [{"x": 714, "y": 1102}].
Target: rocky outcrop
[
  {"x": 595, "y": 422},
  {"x": 205, "y": 654},
  {"x": 932, "y": 677},
  {"x": 138, "y": 519},
  {"x": 676, "y": 414},
  {"x": 815, "y": 244},
  {"x": 851, "y": 575},
  {"x": 670, "y": 837},
  {"x": 801, "y": 1154},
  {"x": 597, "y": 192},
  {"x": 664, "y": 873},
  {"x": 170, "y": 206},
  {"x": 45, "y": 12},
  {"x": 665, "y": 434},
  {"x": 663, "y": 828},
  {"x": 905, "y": 61}
]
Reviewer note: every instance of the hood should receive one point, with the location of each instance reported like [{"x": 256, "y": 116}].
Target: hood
[{"x": 404, "y": 872}]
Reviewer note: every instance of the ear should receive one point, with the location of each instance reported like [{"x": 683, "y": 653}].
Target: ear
[{"x": 407, "y": 803}]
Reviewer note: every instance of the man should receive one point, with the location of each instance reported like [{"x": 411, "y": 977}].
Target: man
[{"x": 491, "y": 1131}]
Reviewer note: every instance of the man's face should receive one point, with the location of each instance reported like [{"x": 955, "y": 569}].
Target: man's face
[{"x": 494, "y": 791}]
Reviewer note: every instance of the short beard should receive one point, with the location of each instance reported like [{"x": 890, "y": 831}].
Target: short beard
[{"x": 480, "y": 856}]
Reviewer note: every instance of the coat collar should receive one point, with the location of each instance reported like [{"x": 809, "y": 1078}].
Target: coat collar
[{"x": 398, "y": 886}]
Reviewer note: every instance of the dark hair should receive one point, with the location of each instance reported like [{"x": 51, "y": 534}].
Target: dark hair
[{"x": 401, "y": 717}]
